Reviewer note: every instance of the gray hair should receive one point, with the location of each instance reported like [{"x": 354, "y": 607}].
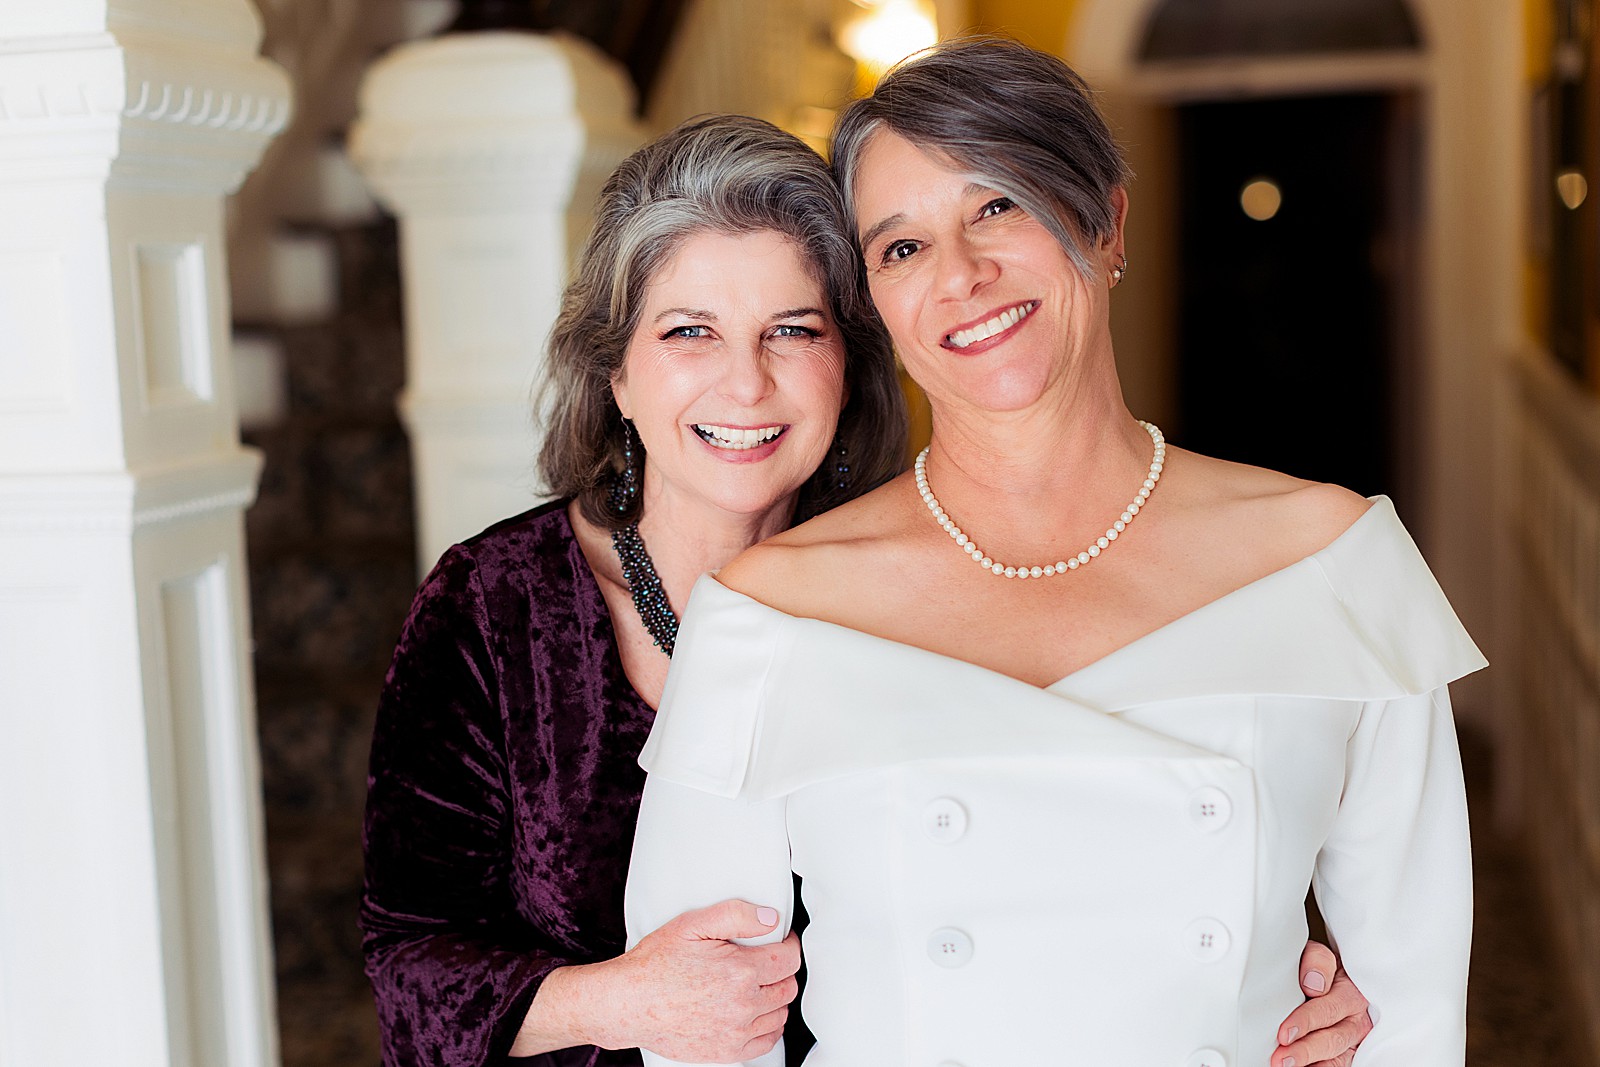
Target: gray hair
[
  {"x": 1009, "y": 117},
  {"x": 725, "y": 174}
]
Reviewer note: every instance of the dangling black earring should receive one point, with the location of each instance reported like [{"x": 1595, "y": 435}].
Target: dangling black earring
[
  {"x": 630, "y": 465},
  {"x": 626, "y": 486},
  {"x": 841, "y": 465}
]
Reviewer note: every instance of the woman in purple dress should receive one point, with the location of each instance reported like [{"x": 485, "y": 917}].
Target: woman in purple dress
[{"x": 716, "y": 374}]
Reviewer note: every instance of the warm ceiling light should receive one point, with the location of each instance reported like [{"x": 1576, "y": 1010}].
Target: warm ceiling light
[
  {"x": 1572, "y": 187},
  {"x": 1261, "y": 199},
  {"x": 888, "y": 31}
]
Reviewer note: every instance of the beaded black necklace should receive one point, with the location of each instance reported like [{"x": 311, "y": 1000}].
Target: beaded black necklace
[
  {"x": 638, "y": 569},
  {"x": 644, "y": 584}
]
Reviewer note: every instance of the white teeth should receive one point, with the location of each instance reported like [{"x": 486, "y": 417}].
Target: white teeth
[
  {"x": 736, "y": 439},
  {"x": 985, "y": 330}
]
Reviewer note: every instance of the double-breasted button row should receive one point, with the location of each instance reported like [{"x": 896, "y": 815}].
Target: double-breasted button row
[
  {"x": 1206, "y": 939},
  {"x": 945, "y": 820}
]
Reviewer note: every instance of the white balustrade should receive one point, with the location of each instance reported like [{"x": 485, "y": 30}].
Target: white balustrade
[{"x": 133, "y": 913}]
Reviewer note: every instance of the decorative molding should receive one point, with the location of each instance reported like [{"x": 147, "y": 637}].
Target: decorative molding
[
  {"x": 166, "y": 101},
  {"x": 152, "y": 100},
  {"x": 238, "y": 499},
  {"x": 64, "y": 102},
  {"x": 75, "y": 504},
  {"x": 100, "y": 76},
  {"x": 172, "y": 333}
]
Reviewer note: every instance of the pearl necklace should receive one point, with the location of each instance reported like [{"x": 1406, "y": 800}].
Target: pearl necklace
[{"x": 970, "y": 547}]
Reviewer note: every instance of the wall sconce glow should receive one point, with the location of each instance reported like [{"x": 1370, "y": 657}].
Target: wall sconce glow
[
  {"x": 1572, "y": 188},
  {"x": 1261, "y": 199},
  {"x": 888, "y": 31}
]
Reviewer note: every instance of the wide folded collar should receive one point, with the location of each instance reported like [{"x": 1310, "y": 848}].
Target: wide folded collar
[{"x": 760, "y": 702}]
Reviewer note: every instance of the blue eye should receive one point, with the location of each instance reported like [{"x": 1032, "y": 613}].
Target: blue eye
[
  {"x": 794, "y": 331},
  {"x": 687, "y": 331}
]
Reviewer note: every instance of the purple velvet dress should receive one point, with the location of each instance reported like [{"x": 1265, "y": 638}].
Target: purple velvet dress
[{"x": 502, "y": 797}]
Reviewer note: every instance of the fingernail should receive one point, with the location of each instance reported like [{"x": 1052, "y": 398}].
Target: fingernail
[
  {"x": 767, "y": 916},
  {"x": 1294, "y": 1032},
  {"x": 1315, "y": 982},
  {"x": 1288, "y": 1061}
]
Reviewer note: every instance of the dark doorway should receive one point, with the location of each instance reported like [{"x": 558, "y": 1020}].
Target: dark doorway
[{"x": 1287, "y": 329}]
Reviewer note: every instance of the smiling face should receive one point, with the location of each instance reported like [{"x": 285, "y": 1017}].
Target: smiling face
[
  {"x": 734, "y": 376},
  {"x": 985, "y": 307}
]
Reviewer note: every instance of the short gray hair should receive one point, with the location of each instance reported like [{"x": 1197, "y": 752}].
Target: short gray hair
[
  {"x": 1009, "y": 117},
  {"x": 724, "y": 174}
]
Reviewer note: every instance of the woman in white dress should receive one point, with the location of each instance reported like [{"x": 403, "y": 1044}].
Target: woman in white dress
[{"x": 1058, "y": 728}]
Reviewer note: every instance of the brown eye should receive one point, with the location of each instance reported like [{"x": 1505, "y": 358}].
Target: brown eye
[{"x": 898, "y": 251}]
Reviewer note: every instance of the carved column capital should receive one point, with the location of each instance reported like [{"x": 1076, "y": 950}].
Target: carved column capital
[{"x": 189, "y": 111}]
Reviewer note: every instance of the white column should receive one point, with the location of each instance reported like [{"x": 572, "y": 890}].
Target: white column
[
  {"x": 133, "y": 921},
  {"x": 490, "y": 148}
]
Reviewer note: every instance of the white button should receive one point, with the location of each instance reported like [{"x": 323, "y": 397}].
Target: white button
[
  {"x": 945, "y": 819},
  {"x": 1210, "y": 808},
  {"x": 1206, "y": 1057},
  {"x": 949, "y": 947},
  {"x": 1206, "y": 940}
]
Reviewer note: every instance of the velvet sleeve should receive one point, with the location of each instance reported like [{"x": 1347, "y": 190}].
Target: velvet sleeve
[{"x": 454, "y": 967}]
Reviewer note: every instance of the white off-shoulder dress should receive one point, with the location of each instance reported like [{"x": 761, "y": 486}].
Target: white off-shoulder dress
[{"x": 1109, "y": 870}]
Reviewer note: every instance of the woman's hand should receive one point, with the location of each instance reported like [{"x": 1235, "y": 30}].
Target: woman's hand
[
  {"x": 685, "y": 991},
  {"x": 1327, "y": 1028}
]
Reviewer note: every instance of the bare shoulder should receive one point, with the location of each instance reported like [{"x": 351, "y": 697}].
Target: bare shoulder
[
  {"x": 1277, "y": 517},
  {"x": 796, "y": 571}
]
